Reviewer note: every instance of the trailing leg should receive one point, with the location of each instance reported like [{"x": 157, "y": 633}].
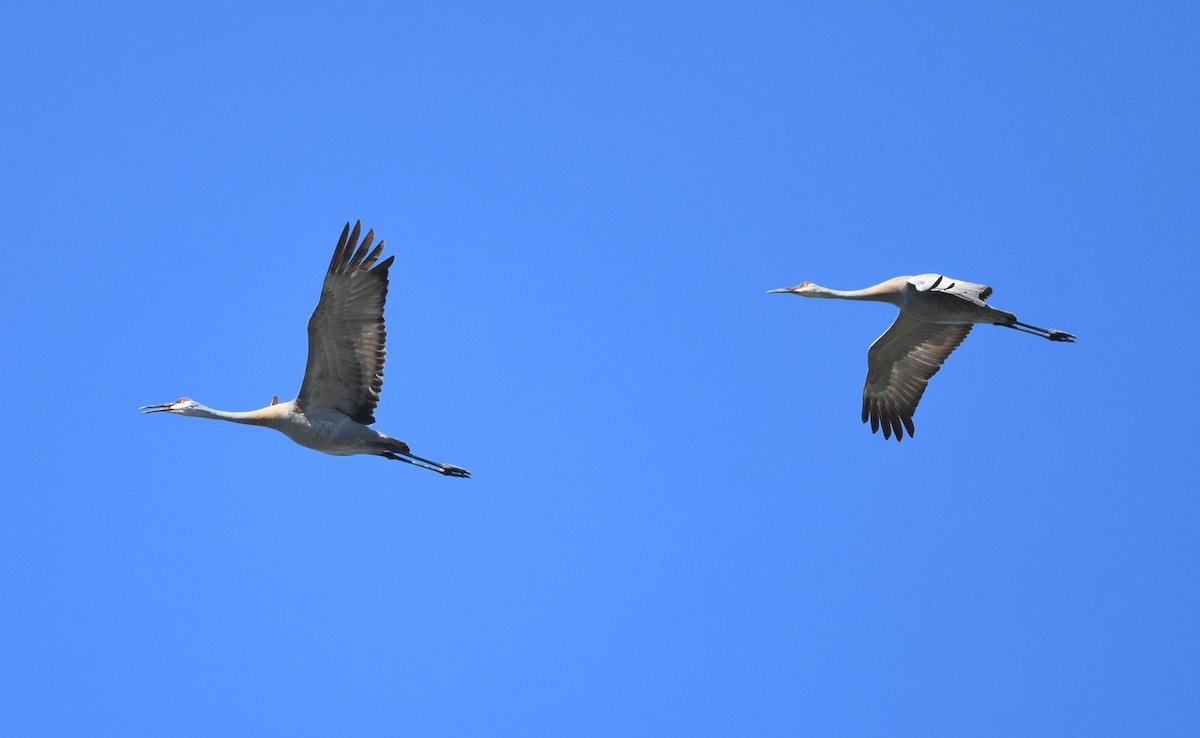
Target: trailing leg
[
  {"x": 450, "y": 470},
  {"x": 1047, "y": 333}
]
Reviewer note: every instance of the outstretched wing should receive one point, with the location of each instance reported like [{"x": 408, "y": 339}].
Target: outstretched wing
[
  {"x": 899, "y": 365},
  {"x": 941, "y": 283},
  {"x": 346, "y": 334}
]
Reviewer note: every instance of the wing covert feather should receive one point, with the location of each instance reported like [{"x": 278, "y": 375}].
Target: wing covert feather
[{"x": 940, "y": 283}]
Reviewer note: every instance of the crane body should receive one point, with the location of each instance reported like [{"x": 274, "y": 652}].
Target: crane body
[
  {"x": 344, "y": 375},
  {"x": 936, "y": 314}
]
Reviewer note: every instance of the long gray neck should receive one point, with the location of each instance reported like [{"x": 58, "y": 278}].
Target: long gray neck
[
  {"x": 252, "y": 417},
  {"x": 889, "y": 291}
]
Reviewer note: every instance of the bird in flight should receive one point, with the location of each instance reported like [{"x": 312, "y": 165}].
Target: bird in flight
[
  {"x": 344, "y": 375},
  {"x": 936, "y": 314}
]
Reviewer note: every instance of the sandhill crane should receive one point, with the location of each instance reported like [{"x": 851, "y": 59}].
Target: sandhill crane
[
  {"x": 936, "y": 314},
  {"x": 344, "y": 375}
]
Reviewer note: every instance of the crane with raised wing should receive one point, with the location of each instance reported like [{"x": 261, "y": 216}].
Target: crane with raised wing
[{"x": 344, "y": 375}]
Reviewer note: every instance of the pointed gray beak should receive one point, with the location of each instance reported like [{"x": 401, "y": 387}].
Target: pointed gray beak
[
  {"x": 156, "y": 408},
  {"x": 781, "y": 289}
]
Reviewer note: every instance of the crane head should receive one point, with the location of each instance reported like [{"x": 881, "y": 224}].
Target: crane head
[
  {"x": 800, "y": 289},
  {"x": 182, "y": 406}
]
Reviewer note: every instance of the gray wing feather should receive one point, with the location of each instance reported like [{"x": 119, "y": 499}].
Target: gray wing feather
[
  {"x": 346, "y": 333},
  {"x": 941, "y": 283},
  {"x": 899, "y": 365}
]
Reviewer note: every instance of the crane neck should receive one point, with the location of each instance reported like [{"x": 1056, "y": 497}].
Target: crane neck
[
  {"x": 264, "y": 416},
  {"x": 888, "y": 291}
]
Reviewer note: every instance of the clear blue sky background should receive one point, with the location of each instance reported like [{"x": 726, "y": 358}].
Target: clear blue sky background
[{"x": 677, "y": 524}]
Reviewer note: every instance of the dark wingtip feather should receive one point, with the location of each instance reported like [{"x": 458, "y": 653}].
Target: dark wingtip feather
[
  {"x": 340, "y": 248},
  {"x": 368, "y": 262},
  {"x": 883, "y": 418},
  {"x": 356, "y": 262}
]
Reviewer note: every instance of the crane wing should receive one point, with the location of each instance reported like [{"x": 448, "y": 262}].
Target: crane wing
[
  {"x": 941, "y": 283},
  {"x": 346, "y": 333},
  {"x": 899, "y": 365}
]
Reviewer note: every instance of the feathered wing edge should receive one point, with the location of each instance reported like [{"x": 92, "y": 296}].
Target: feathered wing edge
[
  {"x": 346, "y": 333},
  {"x": 899, "y": 366}
]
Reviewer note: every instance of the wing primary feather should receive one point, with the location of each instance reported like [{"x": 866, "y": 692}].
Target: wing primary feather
[
  {"x": 900, "y": 364},
  {"x": 337, "y": 250},
  {"x": 346, "y": 333},
  {"x": 356, "y": 261}
]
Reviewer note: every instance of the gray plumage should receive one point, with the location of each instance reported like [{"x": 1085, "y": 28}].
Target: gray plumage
[
  {"x": 936, "y": 314},
  {"x": 344, "y": 374}
]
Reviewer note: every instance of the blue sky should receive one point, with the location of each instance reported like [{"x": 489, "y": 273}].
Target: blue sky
[{"x": 677, "y": 524}]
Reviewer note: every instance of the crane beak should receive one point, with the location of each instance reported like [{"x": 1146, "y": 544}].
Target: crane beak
[
  {"x": 156, "y": 408},
  {"x": 781, "y": 289}
]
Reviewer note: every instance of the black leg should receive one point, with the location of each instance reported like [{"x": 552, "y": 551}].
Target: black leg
[
  {"x": 1047, "y": 333},
  {"x": 449, "y": 470}
]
